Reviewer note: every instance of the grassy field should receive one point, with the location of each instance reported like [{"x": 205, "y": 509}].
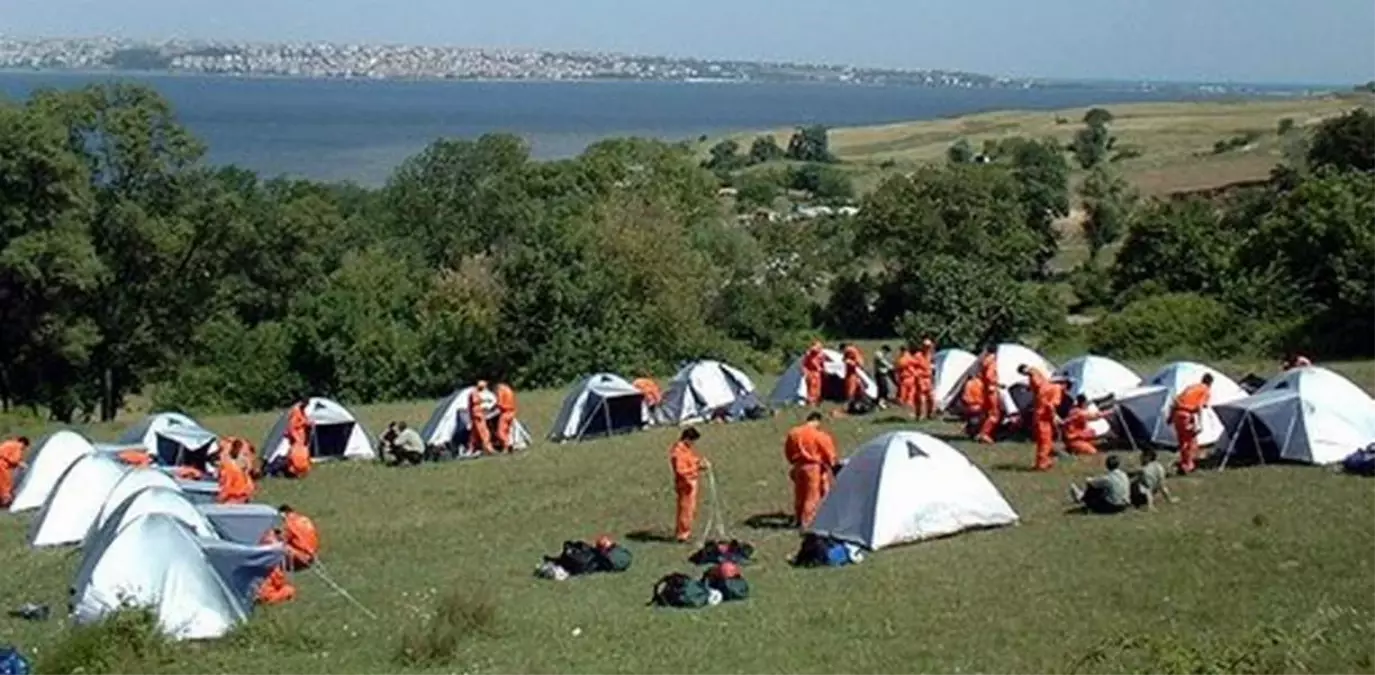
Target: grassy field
[
  {"x": 1175, "y": 139},
  {"x": 1255, "y": 570}
]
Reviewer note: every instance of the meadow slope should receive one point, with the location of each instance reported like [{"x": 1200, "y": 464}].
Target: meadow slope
[{"x": 1257, "y": 569}]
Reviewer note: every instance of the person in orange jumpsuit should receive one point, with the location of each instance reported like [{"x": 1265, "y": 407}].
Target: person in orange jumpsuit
[
  {"x": 298, "y": 424},
  {"x": 811, "y": 452},
  {"x": 650, "y": 390},
  {"x": 813, "y": 365},
  {"x": 992, "y": 403},
  {"x": 972, "y": 404},
  {"x": 854, "y": 363},
  {"x": 906, "y": 367},
  {"x": 1184, "y": 417},
  {"x": 687, "y": 467},
  {"x": 925, "y": 395},
  {"x": 297, "y": 460},
  {"x": 1078, "y": 437},
  {"x": 479, "y": 435},
  {"x": 1043, "y": 416},
  {"x": 299, "y": 536},
  {"x": 276, "y": 588},
  {"x": 11, "y": 457},
  {"x": 248, "y": 455},
  {"x": 235, "y": 485},
  {"x": 506, "y": 416},
  {"x": 137, "y": 458}
]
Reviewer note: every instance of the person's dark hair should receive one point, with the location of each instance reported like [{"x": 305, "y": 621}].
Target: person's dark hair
[
  {"x": 285, "y": 508},
  {"x": 1081, "y": 400},
  {"x": 24, "y": 440},
  {"x": 1113, "y": 462},
  {"x": 885, "y": 348},
  {"x": 690, "y": 434},
  {"x": 815, "y": 417},
  {"x": 1207, "y": 378},
  {"x": 1147, "y": 455}
]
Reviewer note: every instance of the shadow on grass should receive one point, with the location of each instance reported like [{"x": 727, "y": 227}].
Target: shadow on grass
[
  {"x": 892, "y": 419},
  {"x": 770, "y": 521},
  {"x": 650, "y": 537},
  {"x": 1013, "y": 467}
]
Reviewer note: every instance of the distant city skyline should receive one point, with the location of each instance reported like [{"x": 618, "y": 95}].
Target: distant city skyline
[{"x": 1245, "y": 41}]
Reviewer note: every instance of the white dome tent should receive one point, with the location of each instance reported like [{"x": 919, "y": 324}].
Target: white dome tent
[
  {"x": 131, "y": 483},
  {"x": 791, "y": 387},
  {"x": 171, "y": 438},
  {"x": 947, "y": 371},
  {"x": 336, "y": 434},
  {"x": 907, "y": 486},
  {"x": 600, "y": 405},
  {"x": 1097, "y": 378},
  {"x": 450, "y": 422},
  {"x": 49, "y": 461},
  {"x": 1010, "y": 357},
  {"x": 1145, "y": 410},
  {"x": 148, "y": 501},
  {"x": 198, "y": 588},
  {"x": 702, "y": 388},
  {"x": 1309, "y": 415},
  {"x": 75, "y": 501}
]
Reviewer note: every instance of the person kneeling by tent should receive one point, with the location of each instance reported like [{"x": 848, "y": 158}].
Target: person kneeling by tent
[
  {"x": 235, "y": 485},
  {"x": 403, "y": 444},
  {"x": 1077, "y": 435},
  {"x": 276, "y": 588},
  {"x": 298, "y": 535},
  {"x": 578, "y": 558},
  {"x": 1109, "y": 493}
]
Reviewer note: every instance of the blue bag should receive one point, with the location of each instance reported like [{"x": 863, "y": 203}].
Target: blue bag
[{"x": 12, "y": 662}]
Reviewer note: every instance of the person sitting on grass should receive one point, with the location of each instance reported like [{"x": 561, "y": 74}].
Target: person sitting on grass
[
  {"x": 1109, "y": 493},
  {"x": 403, "y": 444},
  {"x": 1149, "y": 482}
]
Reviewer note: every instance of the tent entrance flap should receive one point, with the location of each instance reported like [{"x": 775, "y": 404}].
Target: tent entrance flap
[
  {"x": 607, "y": 416},
  {"x": 330, "y": 440},
  {"x": 832, "y": 387}
]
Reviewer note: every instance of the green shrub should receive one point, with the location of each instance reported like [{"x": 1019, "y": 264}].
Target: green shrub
[
  {"x": 458, "y": 618},
  {"x": 127, "y": 641},
  {"x": 1176, "y": 324}
]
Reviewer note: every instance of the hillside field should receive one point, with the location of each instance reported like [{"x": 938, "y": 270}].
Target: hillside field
[{"x": 1256, "y": 569}]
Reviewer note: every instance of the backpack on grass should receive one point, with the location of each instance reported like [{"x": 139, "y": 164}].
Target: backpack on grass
[
  {"x": 614, "y": 559},
  {"x": 1361, "y": 462},
  {"x": 717, "y": 552},
  {"x": 577, "y": 557},
  {"x": 726, "y": 580},
  {"x": 680, "y": 590}
]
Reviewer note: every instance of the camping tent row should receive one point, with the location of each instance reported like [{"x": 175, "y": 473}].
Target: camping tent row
[
  {"x": 1310, "y": 415},
  {"x": 606, "y": 404},
  {"x": 907, "y": 486}
]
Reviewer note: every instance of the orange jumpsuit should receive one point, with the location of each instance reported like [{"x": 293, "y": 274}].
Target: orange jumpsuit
[
  {"x": 1184, "y": 417},
  {"x": 297, "y": 425},
  {"x": 907, "y": 378},
  {"x": 650, "y": 389},
  {"x": 812, "y": 453},
  {"x": 479, "y": 435},
  {"x": 298, "y": 460},
  {"x": 134, "y": 458},
  {"x": 248, "y": 455},
  {"x": 188, "y": 473},
  {"x": 11, "y": 458},
  {"x": 302, "y": 540},
  {"x": 276, "y": 589},
  {"x": 972, "y": 399},
  {"x": 506, "y": 418},
  {"x": 813, "y": 363},
  {"x": 854, "y": 362},
  {"x": 235, "y": 485},
  {"x": 1078, "y": 436},
  {"x": 924, "y": 398},
  {"x": 1043, "y": 421},
  {"x": 687, "y": 466},
  {"x": 992, "y": 403}
]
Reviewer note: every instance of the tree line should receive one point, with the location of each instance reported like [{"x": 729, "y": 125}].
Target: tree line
[{"x": 130, "y": 265}]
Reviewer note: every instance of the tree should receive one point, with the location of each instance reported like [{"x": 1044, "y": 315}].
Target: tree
[
  {"x": 1345, "y": 143},
  {"x": 1285, "y": 126},
  {"x": 1108, "y": 204},
  {"x": 967, "y": 302},
  {"x": 1041, "y": 170},
  {"x": 1174, "y": 247},
  {"x": 725, "y": 157},
  {"x": 824, "y": 182},
  {"x": 1098, "y": 117},
  {"x": 960, "y": 152},
  {"x": 1093, "y": 143},
  {"x": 810, "y": 144},
  {"x": 765, "y": 149},
  {"x": 759, "y": 189}
]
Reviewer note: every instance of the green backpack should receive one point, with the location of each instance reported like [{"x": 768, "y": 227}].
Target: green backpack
[
  {"x": 616, "y": 559},
  {"x": 680, "y": 590},
  {"x": 731, "y": 589}
]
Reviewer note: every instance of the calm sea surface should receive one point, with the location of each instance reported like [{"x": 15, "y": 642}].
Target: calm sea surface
[{"x": 360, "y": 130}]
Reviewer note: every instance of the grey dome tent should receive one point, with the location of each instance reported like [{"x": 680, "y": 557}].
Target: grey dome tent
[
  {"x": 450, "y": 423},
  {"x": 600, "y": 405},
  {"x": 172, "y": 439},
  {"x": 704, "y": 388}
]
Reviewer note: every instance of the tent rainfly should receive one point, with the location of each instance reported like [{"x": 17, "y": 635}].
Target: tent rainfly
[
  {"x": 1145, "y": 410},
  {"x": 450, "y": 423},
  {"x": 335, "y": 434},
  {"x": 601, "y": 405},
  {"x": 1010, "y": 357},
  {"x": 907, "y": 486},
  {"x": 1309, "y": 415},
  {"x": 198, "y": 588},
  {"x": 701, "y": 389},
  {"x": 1097, "y": 378},
  {"x": 240, "y": 523},
  {"x": 48, "y": 462},
  {"x": 791, "y": 387},
  {"x": 172, "y": 439},
  {"x": 148, "y": 501},
  {"x": 75, "y": 501},
  {"x": 947, "y": 371}
]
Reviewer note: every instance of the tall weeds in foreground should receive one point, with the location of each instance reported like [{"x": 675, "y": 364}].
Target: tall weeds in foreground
[
  {"x": 127, "y": 641},
  {"x": 1304, "y": 647},
  {"x": 439, "y": 637}
]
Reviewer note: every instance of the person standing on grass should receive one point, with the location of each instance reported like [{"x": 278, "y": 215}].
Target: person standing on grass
[
  {"x": 811, "y": 452},
  {"x": 992, "y": 403},
  {"x": 1106, "y": 494},
  {"x": 813, "y": 364},
  {"x": 883, "y": 375},
  {"x": 687, "y": 468},
  {"x": 1184, "y": 416},
  {"x": 854, "y": 363},
  {"x": 479, "y": 435},
  {"x": 925, "y": 397}
]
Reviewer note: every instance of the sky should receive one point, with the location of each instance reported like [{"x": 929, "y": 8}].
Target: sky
[{"x": 1257, "y": 41}]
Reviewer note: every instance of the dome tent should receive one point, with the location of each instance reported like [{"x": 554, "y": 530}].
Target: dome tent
[
  {"x": 1309, "y": 415},
  {"x": 335, "y": 434},
  {"x": 600, "y": 405},
  {"x": 198, "y": 588},
  {"x": 947, "y": 371},
  {"x": 147, "y": 501},
  {"x": 1010, "y": 357},
  {"x": 1097, "y": 377},
  {"x": 75, "y": 501},
  {"x": 53, "y": 456},
  {"x": 131, "y": 483},
  {"x": 701, "y": 388},
  {"x": 907, "y": 486},
  {"x": 450, "y": 423},
  {"x": 172, "y": 439},
  {"x": 791, "y": 387},
  {"x": 1145, "y": 410}
]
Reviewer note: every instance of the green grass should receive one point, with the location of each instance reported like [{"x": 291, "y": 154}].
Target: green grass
[{"x": 443, "y": 554}]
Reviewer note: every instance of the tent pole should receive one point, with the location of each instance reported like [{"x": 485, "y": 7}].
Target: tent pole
[
  {"x": 1231, "y": 444},
  {"x": 1289, "y": 435}
]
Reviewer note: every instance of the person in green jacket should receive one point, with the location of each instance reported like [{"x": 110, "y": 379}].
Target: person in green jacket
[{"x": 1109, "y": 493}]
